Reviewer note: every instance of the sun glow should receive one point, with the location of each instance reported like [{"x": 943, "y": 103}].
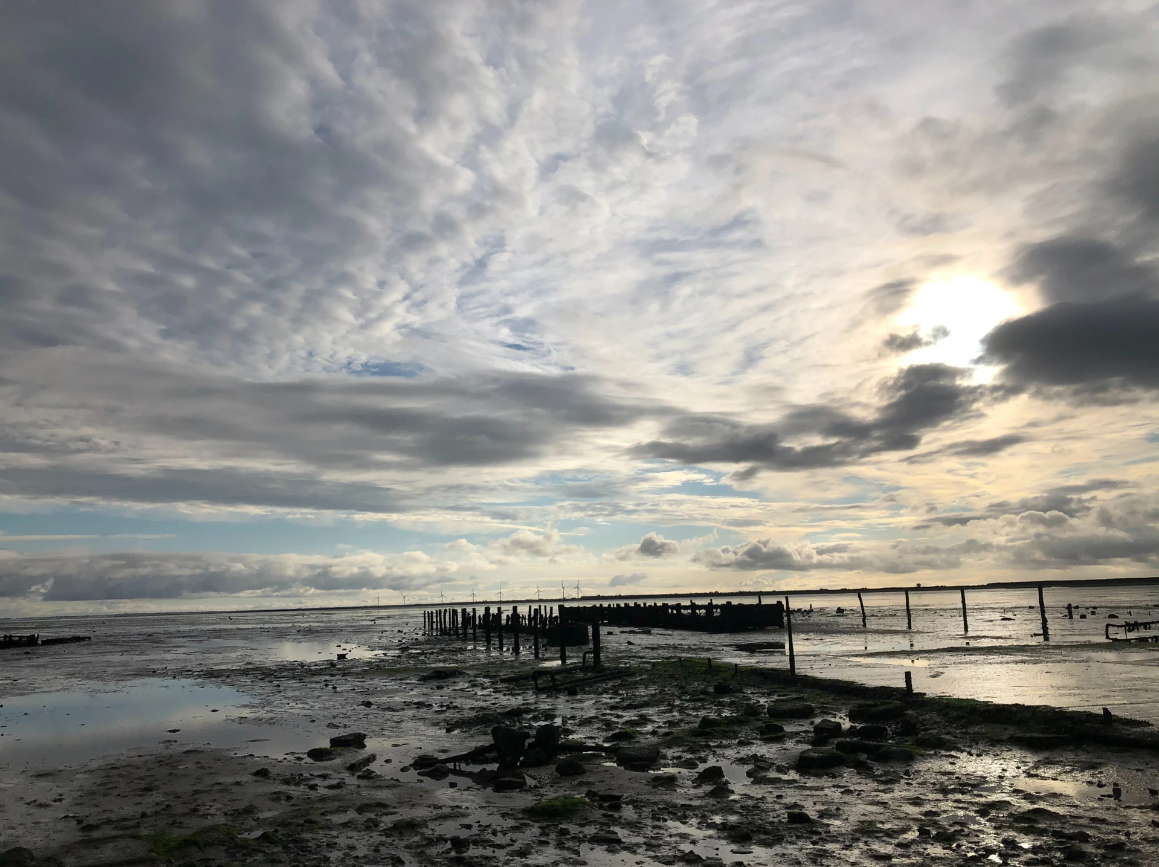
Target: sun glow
[{"x": 965, "y": 307}]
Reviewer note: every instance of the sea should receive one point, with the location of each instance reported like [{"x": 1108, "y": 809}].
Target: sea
[{"x": 143, "y": 673}]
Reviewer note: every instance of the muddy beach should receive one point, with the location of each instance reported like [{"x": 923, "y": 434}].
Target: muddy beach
[{"x": 673, "y": 761}]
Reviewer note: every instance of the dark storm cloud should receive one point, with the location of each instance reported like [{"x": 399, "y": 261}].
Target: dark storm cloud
[
  {"x": 1082, "y": 270},
  {"x": 1112, "y": 343},
  {"x": 971, "y": 448},
  {"x": 147, "y": 575},
  {"x": 326, "y": 436},
  {"x": 917, "y": 399}
]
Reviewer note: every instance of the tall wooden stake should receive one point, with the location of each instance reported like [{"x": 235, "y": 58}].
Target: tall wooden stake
[
  {"x": 1042, "y": 614},
  {"x": 861, "y": 602},
  {"x": 965, "y": 619},
  {"x": 909, "y": 621},
  {"x": 789, "y": 630}
]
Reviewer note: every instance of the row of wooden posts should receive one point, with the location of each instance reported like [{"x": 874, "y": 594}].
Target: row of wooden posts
[{"x": 540, "y": 623}]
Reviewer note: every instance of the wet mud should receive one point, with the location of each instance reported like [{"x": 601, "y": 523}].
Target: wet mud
[{"x": 675, "y": 761}]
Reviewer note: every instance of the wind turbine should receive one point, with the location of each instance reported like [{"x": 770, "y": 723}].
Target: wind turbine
[
  {"x": 472, "y": 595},
  {"x": 562, "y": 592},
  {"x": 403, "y": 595},
  {"x": 538, "y": 596},
  {"x": 442, "y": 597},
  {"x": 577, "y": 590},
  {"x": 500, "y": 591}
]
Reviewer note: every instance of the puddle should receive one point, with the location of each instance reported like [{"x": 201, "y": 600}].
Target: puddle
[
  {"x": 74, "y": 726},
  {"x": 1133, "y": 792}
]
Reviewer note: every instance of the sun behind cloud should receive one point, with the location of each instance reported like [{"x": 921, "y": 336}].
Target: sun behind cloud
[{"x": 954, "y": 315}]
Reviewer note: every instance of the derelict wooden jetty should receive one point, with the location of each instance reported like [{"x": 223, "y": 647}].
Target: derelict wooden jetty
[
  {"x": 708, "y": 617},
  {"x": 8, "y": 641},
  {"x": 1134, "y": 630}
]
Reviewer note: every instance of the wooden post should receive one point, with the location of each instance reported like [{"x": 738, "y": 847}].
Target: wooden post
[
  {"x": 499, "y": 626},
  {"x": 515, "y": 629},
  {"x": 1042, "y": 614},
  {"x": 475, "y": 626},
  {"x": 596, "y": 645},
  {"x": 789, "y": 630},
  {"x": 487, "y": 626},
  {"x": 1069, "y": 611},
  {"x": 965, "y": 619},
  {"x": 535, "y": 633},
  {"x": 909, "y": 683},
  {"x": 861, "y": 602},
  {"x": 909, "y": 620}
]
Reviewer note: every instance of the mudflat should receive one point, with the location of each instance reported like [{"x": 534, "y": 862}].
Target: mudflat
[{"x": 676, "y": 761}]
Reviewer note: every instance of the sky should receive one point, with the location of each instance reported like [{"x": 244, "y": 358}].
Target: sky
[{"x": 314, "y": 303}]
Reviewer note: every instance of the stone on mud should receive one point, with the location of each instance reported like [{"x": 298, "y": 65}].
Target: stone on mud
[
  {"x": 509, "y": 743},
  {"x": 876, "y": 711},
  {"x": 637, "y": 758},
  {"x": 442, "y": 674},
  {"x": 350, "y": 739},
  {"x": 547, "y": 738},
  {"x": 570, "y": 768},
  {"x": 438, "y": 772},
  {"x": 827, "y": 728},
  {"x": 534, "y": 758},
  {"x": 798, "y": 817},
  {"x": 421, "y": 763},
  {"x": 711, "y": 774},
  {"x": 870, "y": 732},
  {"x": 509, "y": 784},
  {"x": 323, "y": 754},
  {"x": 362, "y": 763},
  {"x": 819, "y": 759}
]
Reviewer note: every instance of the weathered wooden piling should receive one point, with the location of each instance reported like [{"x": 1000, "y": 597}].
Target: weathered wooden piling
[
  {"x": 789, "y": 633},
  {"x": 535, "y": 633},
  {"x": 499, "y": 626},
  {"x": 487, "y": 626},
  {"x": 861, "y": 602},
  {"x": 515, "y": 629},
  {"x": 965, "y": 619},
  {"x": 909, "y": 621},
  {"x": 1042, "y": 614},
  {"x": 475, "y": 626},
  {"x": 1069, "y": 611},
  {"x": 596, "y": 646},
  {"x": 909, "y": 683}
]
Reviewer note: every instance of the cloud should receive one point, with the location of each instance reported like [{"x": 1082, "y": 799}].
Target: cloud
[
  {"x": 158, "y": 576},
  {"x": 899, "y": 344},
  {"x": 1109, "y": 345},
  {"x": 918, "y": 398},
  {"x": 626, "y": 580},
  {"x": 528, "y": 543}
]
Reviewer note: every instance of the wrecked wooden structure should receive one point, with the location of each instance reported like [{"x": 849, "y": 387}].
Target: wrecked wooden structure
[
  {"x": 7, "y": 641},
  {"x": 540, "y": 627},
  {"x": 1134, "y": 630},
  {"x": 707, "y": 617}
]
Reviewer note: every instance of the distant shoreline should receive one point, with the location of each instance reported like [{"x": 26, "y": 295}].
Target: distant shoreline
[{"x": 704, "y": 594}]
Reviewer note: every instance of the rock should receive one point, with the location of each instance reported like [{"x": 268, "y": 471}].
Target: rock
[
  {"x": 262, "y": 772},
  {"x": 772, "y": 730},
  {"x": 853, "y": 746},
  {"x": 1074, "y": 853},
  {"x": 367, "y": 703},
  {"x": 722, "y": 688},
  {"x": 819, "y": 759},
  {"x": 1108, "y": 717},
  {"x": 752, "y": 710},
  {"x": 421, "y": 763},
  {"x": 720, "y": 791},
  {"x": 509, "y": 743},
  {"x": 574, "y": 690},
  {"x": 509, "y": 784},
  {"x": 894, "y": 754},
  {"x": 870, "y": 732},
  {"x": 534, "y": 758},
  {"x": 906, "y": 727},
  {"x": 663, "y": 781},
  {"x": 570, "y": 768},
  {"x": 637, "y": 758},
  {"x": 442, "y": 674},
  {"x": 438, "y": 772},
  {"x": 362, "y": 763},
  {"x": 547, "y": 738},
  {"x": 876, "y": 711},
  {"x": 605, "y": 838},
  {"x": 791, "y": 710},
  {"x": 17, "y": 856},
  {"x": 351, "y": 739},
  {"x": 827, "y": 728},
  {"x": 323, "y": 754},
  {"x": 711, "y": 774},
  {"x": 798, "y": 817},
  {"x": 623, "y": 735}
]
